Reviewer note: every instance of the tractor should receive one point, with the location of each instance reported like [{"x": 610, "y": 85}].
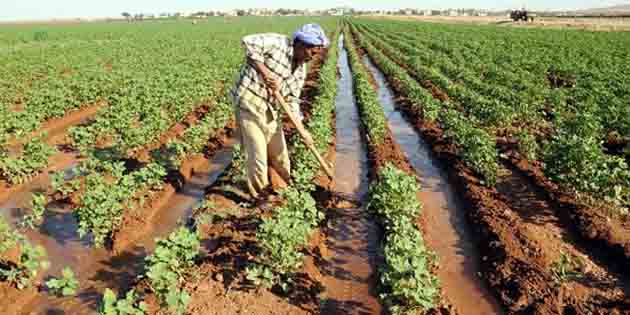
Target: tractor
[{"x": 521, "y": 15}]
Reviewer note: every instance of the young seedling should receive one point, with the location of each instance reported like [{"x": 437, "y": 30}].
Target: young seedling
[
  {"x": 67, "y": 285},
  {"x": 38, "y": 207},
  {"x": 567, "y": 267},
  {"x": 127, "y": 306}
]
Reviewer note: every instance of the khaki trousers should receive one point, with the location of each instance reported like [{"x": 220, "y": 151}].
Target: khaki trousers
[{"x": 262, "y": 142}]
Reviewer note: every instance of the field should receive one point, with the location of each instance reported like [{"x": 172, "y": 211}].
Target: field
[
  {"x": 606, "y": 24},
  {"x": 478, "y": 170}
]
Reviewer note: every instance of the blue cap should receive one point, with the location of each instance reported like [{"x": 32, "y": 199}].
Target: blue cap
[{"x": 311, "y": 34}]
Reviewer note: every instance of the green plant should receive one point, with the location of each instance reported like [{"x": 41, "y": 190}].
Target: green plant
[
  {"x": 128, "y": 306},
  {"x": 166, "y": 267},
  {"x": 67, "y": 285},
  {"x": 238, "y": 170},
  {"x": 566, "y": 268},
  {"x": 9, "y": 237},
  {"x": 30, "y": 263},
  {"x": 394, "y": 195},
  {"x": 34, "y": 157},
  {"x": 527, "y": 145},
  {"x": 406, "y": 280},
  {"x": 38, "y": 207},
  {"x": 280, "y": 237},
  {"x": 108, "y": 192}
]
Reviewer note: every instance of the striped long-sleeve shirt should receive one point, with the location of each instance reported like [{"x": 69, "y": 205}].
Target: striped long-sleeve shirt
[{"x": 250, "y": 91}]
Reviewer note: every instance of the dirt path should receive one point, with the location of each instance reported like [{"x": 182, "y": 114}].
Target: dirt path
[
  {"x": 348, "y": 269},
  {"x": 445, "y": 227}
]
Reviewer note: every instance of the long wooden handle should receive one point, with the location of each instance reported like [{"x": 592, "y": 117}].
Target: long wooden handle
[{"x": 306, "y": 136}]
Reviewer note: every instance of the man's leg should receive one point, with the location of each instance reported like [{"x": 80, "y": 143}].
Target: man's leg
[
  {"x": 279, "y": 154},
  {"x": 254, "y": 145}
]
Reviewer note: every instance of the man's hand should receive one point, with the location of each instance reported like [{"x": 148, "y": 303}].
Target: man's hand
[{"x": 271, "y": 84}]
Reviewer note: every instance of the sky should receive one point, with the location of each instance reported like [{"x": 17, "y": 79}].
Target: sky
[{"x": 14, "y": 10}]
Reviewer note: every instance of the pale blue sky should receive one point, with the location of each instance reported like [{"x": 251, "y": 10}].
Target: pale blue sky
[{"x": 44, "y": 9}]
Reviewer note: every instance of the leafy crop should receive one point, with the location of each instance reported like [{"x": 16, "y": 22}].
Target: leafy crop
[
  {"x": 281, "y": 235},
  {"x": 166, "y": 267},
  {"x": 33, "y": 158},
  {"x": 31, "y": 262},
  {"x": 128, "y": 306},
  {"x": 67, "y": 285},
  {"x": 408, "y": 284},
  {"x": 9, "y": 237},
  {"x": 38, "y": 207},
  {"x": 108, "y": 191},
  {"x": 567, "y": 267}
]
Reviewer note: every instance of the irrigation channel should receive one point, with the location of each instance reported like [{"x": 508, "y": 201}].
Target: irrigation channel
[
  {"x": 97, "y": 269},
  {"x": 349, "y": 275},
  {"x": 446, "y": 228},
  {"x": 353, "y": 237}
]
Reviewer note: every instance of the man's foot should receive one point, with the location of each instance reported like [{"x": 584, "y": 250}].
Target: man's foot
[{"x": 267, "y": 200}]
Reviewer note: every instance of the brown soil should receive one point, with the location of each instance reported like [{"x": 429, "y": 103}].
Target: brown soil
[
  {"x": 135, "y": 222},
  {"x": 56, "y": 128},
  {"x": 610, "y": 232},
  {"x": 520, "y": 237},
  {"x": 14, "y": 299},
  {"x": 144, "y": 154}
]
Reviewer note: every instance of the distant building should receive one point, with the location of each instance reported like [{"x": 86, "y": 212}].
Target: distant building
[{"x": 337, "y": 11}]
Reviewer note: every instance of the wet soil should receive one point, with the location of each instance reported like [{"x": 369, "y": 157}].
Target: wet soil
[
  {"x": 444, "y": 215},
  {"x": 350, "y": 252},
  {"x": 519, "y": 255},
  {"x": 136, "y": 221},
  {"x": 97, "y": 269}
]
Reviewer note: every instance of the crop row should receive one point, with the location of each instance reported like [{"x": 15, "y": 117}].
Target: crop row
[
  {"x": 287, "y": 231},
  {"x": 575, "y": 71},
  {"x": 573, "y": 154},
  {"x": 280, "y": 236},
  {"x": 103, "y": 188},
  {"x": 474, "y": 145},
  {"x": 149, "y": 78},
  {"x": 406, "y": 278}
]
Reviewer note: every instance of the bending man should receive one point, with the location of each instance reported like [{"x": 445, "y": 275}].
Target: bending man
[{"x": 274, "y": 63}]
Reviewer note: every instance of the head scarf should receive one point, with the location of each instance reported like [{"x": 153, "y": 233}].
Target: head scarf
[{"x": 311, "y": 34}]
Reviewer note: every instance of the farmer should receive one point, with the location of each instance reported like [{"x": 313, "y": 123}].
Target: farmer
[{"x": 274, "y": 62}]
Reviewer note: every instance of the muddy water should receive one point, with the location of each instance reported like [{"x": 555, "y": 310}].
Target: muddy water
[
  {"x": 446, "y": 229},
  {"x": 352, "y": 238},
  {"x": 97, "y": 269}
]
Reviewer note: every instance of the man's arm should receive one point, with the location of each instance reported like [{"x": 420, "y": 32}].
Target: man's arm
[
  {"x": 255, "y": 47},
  {"x": 265, "y": 73}
]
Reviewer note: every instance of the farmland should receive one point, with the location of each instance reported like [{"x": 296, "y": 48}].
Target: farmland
[{"x": 478, "y": 170}]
